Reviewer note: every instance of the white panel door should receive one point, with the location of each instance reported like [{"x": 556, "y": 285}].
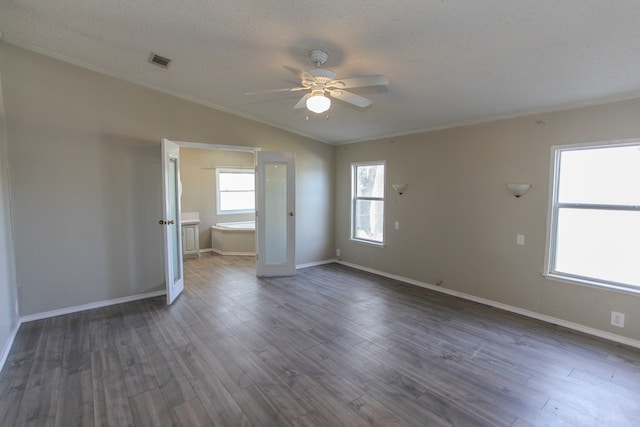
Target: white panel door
[
  {"x": 275, "y": 214},
  {"x": 171, "y": 219}
]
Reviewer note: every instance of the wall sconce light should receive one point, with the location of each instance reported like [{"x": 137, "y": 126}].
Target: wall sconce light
[
  {"x": 518, "y": 190},
  {"x": 399, "y": 188}
]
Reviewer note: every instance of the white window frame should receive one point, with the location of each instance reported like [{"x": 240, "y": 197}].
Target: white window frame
[
  {"x": 355, "y": 198},
  {"x": 231, "y": 170},
  {"x": 555, "y": 206}
]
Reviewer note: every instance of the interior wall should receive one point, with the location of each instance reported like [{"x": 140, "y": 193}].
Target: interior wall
[
  {"x": 198, "y": 176},
  {"x": 84, "y": 152},
  {"x": 8, "y": 287},
  {"x": 458, "y": 223}
]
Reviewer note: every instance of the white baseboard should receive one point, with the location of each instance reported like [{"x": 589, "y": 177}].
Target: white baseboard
[
  {"x": 517, "y": 310},
  {"x": 75, "y": 309},
  {"x": 219, "y": 252},
  {"x": 206, "y": 250},
  {"x": 315, "y": 263},
  {"x": 7, "y": 345}
]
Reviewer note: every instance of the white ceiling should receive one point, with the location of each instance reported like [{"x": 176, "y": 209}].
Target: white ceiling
[{"x": 449, "y": 61}]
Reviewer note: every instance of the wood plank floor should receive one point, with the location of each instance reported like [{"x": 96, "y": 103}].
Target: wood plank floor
[{"x": 331, "y": 346}]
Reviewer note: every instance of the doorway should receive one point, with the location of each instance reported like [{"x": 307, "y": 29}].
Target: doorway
[
  {"x": 273, "y": 194},
  {"x": 218, "y": 196}
]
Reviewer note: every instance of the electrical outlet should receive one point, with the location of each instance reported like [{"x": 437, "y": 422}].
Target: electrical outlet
[
  {"x": 337, "y": 252},
  {"x": 617, "y": 319},
  {"x": 520, "y": 239},
  {"x": 397, "y": 225}
]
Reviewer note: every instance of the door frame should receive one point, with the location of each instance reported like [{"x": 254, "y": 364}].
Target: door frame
[
  {"x": 220, "y": 147},
  {"x": 206, "y": 146}
]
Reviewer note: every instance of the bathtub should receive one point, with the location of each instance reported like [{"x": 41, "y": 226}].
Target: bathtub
[{"x": 234, "y": 238}]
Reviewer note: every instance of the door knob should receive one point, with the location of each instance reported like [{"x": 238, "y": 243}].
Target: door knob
[{"x": 291, "y": 213}]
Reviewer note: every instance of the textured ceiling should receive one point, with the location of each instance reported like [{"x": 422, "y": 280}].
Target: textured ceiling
[{"x": 449, "y": 61}]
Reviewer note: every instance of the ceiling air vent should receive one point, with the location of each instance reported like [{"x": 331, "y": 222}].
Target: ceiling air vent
[{"x": 158, "y": 60}]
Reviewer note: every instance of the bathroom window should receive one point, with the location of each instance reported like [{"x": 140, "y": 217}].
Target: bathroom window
[
  {"x": 367, "y": 208},
  {"x": 594, "y": 228},
  {"x": 235, "y": 191}
]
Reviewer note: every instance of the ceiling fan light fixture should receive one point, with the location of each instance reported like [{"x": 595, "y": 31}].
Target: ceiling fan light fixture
[{"x": 318, "y": 103}]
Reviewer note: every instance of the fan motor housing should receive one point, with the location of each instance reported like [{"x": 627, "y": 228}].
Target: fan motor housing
[{"x": 322, "y": 75}]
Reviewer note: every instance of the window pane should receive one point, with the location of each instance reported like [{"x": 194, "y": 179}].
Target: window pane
[
  {"x": 605, "y": 175},
  {"x": 235, "y": 181},
  {"x": 235, "y": 190},
  {"x": 174, "y": 201},
  {"x": 235, "y": 201},
  {"x": 599, "y": 244},
  {"x": 368, "y": 220},
  {"x": 275, "y": 214},
  {"x": 370, "y": 181}
]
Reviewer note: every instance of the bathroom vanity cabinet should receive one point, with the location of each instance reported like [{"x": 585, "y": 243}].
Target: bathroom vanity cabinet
[{"x": 190, "y": 239}]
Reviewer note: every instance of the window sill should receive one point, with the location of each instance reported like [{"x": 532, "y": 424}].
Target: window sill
[
  {"x": 584, "y": 282},
  {"x": 368, "y": 242},
  {"x": 240, "y": 212}
]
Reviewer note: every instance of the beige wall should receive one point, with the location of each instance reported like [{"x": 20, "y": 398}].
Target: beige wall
[
  {"x": 84, "y": 156},
  {"x": 8, "y": 288},
  {"x": 458, "y": 223},
  {"x": 198, "y": 178}
]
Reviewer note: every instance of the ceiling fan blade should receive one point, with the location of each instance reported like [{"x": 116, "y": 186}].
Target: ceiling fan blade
[
  {"x": 302, "y": 103},
  {"x": 351, "y": 98},
  {"x": 376, "y": 80},
  {"x": 292, "y": 89},
  {"x": 301, "y": 74}
]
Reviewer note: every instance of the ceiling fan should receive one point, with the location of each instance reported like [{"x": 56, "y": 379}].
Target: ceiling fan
[{"x": 322, "y": 86}]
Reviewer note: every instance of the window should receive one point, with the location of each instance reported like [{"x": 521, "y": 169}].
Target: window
[
  {"x": 594, "y": 231},
  {"x": 235, "y": 191},
  {"x": 367, "y": 209}
]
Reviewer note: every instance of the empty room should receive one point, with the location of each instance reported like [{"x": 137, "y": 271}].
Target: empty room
[{"x": 415, "y": 213}]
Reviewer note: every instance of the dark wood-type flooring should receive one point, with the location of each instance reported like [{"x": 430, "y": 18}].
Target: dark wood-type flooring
[{"x": 329, "y": 347}]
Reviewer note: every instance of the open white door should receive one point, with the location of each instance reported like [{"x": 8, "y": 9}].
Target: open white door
[
  {"x": 171, "y": 219},
  {"x": 275, "y": 214}
]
